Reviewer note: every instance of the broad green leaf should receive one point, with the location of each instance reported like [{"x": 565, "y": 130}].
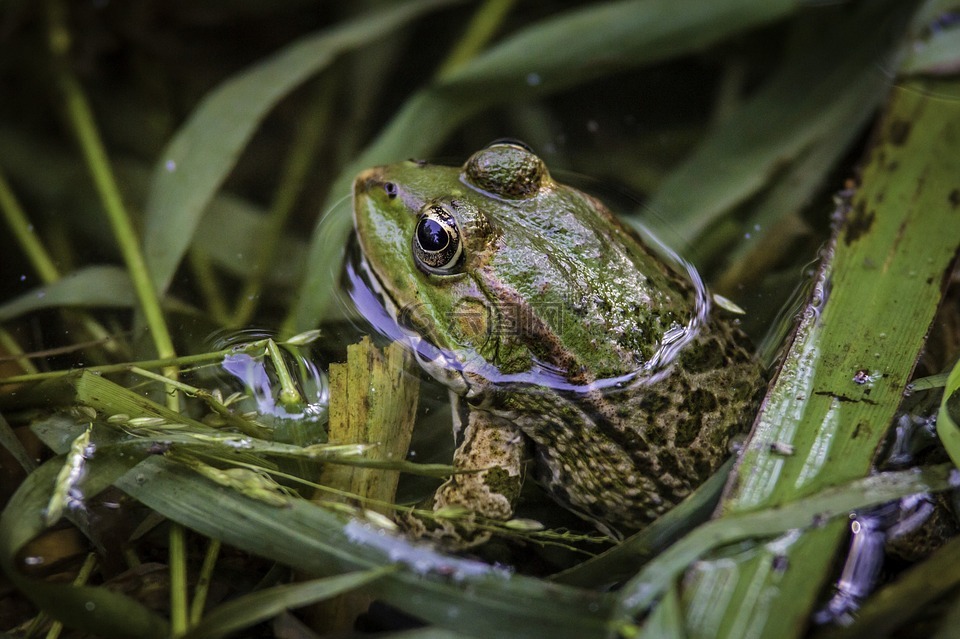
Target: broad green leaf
[
  {"x": 89, "y": 287},
  {"x": 198, "y": 159},
  {"x": 844, "y": 376},
  {"x": 248, "y": 610},
  {"x": 666, "y": 620},
  {"x": 575, "y": 47},
  {"x": 488, "y": 601},
  {"x": 230, "y": 231}
]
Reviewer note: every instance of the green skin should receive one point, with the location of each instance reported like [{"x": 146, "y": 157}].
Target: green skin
[{"x": 571, "y": 341}]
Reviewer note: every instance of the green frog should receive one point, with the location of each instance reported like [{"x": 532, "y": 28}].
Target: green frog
[{"x": 570, "y": 345}]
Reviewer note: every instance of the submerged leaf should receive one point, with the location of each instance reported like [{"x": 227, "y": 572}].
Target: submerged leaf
[
  {"x": 90, "y": 287},
  {"x": 96, "y": 610}
]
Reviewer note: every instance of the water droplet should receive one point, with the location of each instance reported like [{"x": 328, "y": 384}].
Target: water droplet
[
  {"x": 533, "y": 79},
  {"x": 170, "y": 166}
]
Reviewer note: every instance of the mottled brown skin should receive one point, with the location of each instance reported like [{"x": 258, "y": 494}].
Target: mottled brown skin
[
  {"x": 549, "y": 300},
  {"x": 633, "y": 454}
]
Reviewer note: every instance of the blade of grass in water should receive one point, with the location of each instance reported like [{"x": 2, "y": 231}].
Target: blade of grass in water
[{"x": 90, "y": 287}]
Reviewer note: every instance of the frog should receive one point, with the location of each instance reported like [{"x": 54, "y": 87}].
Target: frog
[{"x": 573, "y": 348}]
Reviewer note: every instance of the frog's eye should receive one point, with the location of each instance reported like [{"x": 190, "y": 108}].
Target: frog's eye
[{"x": 437, "y": 246}]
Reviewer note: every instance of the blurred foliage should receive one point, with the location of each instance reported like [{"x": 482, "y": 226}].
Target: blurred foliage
[{"x": 181, "y": 167}]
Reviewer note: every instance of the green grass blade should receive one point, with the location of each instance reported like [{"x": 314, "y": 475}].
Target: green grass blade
[
  {"x": 13, "y": 445},
  {"x": 90, "y": 287},
  {"x": 200, "y": 156},
  {"x": 600, "y": 39},
  {"x": 624, "y": 560},
  {"x": 250, "y": 609},
  {"x": 229, "y": 232}
]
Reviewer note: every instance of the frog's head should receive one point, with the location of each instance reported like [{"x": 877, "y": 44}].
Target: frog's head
[{"x": 497, "y": 264}]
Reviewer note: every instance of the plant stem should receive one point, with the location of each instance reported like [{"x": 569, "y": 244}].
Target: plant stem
[
  {"x": 82, "y": 578},
  {"x": 238, "y": 422},
  {"x": 23, "y": 231},
  {"x": 295, "y": 172},
  {"x": 81, "y": 120},
  {"x": 178, "y": 580},
  {"x": 203, "y": 581},
  {"x": 12, "y": 347},
  {"x": 481, "y": 29},
  {"x": 187, "y": 360},
  {"x": 289, "y": 395},
  {"x": 206, "y": 279},
  {"x": 41, "y": 261}
]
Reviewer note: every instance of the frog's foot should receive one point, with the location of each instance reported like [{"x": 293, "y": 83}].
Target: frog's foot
[{"x": 486, "y": 486}]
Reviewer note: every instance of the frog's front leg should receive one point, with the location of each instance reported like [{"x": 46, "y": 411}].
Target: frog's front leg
[{"x": 489, "y": 461}]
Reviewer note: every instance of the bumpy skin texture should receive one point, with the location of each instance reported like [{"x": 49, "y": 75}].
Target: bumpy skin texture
[{"x": 568, "y": 339}]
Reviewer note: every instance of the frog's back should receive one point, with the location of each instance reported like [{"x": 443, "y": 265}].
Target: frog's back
[{"x": 593, "y": 298}]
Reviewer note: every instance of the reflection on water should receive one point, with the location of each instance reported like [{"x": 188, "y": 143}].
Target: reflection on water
[{"x": 268, "y": 382}]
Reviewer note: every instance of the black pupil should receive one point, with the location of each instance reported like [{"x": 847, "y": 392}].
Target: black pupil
[{"x": 431, "y": 235}]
